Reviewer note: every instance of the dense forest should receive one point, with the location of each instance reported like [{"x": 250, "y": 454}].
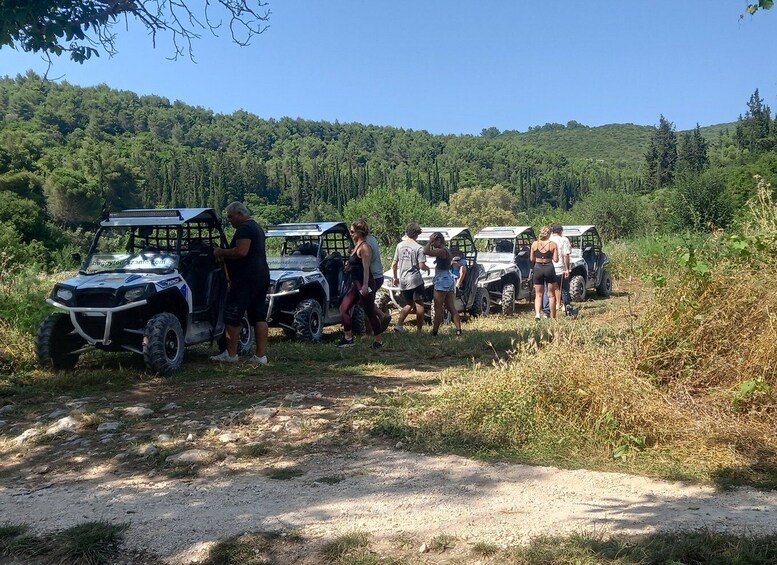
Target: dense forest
[{"x": 70, "y": 154}]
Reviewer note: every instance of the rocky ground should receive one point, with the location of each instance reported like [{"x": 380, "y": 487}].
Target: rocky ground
[{"x": 186, "y": 467}]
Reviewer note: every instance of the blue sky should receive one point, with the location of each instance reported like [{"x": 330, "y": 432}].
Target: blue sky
[{"x": 449, "y": 66}]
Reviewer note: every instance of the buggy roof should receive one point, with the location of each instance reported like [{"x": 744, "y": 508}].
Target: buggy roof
[
  {"x": 313, "y": 229},
  {"x": 577, "y": 230},
  {"x": 449, "y": 233},
  {"x": 506, "y": 232},
  {"x": 160, "y": 217}
]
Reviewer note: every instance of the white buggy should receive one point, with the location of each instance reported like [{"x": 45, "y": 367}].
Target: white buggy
[
  {"x": 505, "y": 260},
  {"x": 472, "y": 299},
  {"x": 307, "y": 262},
  {"x": 588, "y": 263},
  {"x": 149, "y": 285}
]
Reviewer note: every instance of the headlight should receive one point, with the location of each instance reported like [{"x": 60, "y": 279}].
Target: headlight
[
  {"x": 287, "y": 285},
  {"x": 135, "y": 293},
  {"x": 64, "y": 294}
]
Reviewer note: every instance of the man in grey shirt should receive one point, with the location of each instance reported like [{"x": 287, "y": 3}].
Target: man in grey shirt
[{"x": 409, "y": 261}]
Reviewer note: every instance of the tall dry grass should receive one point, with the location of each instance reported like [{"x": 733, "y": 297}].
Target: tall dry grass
[{"x": 683, "y": 387}]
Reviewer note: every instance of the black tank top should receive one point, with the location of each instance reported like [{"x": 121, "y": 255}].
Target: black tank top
[
  {"x": 356, "y": 267},
  {"x": 548, "y": 254},
  {"x": 443, "y": 263}
]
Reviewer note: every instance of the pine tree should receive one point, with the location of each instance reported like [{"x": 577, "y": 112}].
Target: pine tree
[
  {"x": 753, "y": 129},
  {"x": 692, "y": 151},
  {"x": 661, "y": 156}
]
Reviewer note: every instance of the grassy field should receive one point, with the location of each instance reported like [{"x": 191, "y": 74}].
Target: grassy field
[{"x": 672, "y": 376}]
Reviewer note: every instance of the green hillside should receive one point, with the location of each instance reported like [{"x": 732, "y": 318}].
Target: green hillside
[{"x": 619, "y": 145}]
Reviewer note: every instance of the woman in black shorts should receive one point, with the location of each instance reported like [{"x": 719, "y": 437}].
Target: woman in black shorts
[{"x": 543, "y": 253}]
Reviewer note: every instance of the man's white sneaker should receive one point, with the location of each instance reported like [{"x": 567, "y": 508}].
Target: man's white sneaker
[
  {"x": 224, "y": 357},
  {"x": 398, "y": 328},
  {"x": 256, "y": 360}
]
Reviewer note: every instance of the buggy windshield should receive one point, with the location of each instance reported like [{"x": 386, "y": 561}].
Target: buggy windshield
[
  {"x": 293, "y": 263},
  {"x": 132, "y": 250},
  {"x": 494, "y": 257}
]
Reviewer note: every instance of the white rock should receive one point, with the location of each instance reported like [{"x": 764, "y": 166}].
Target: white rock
[
  {"x": 191, "y": 456},
  {"x": 190, "y": 437},
  {"x": 229, "y": 437},
  {"x": 26, "y": 435},
  {"x": 170, "y": 406},
  {"x": 294, "y": 397},
  {"x": 263, "y": 414},
  {"x": 294, "y": 425},
  {"x": 108, "y": 427},
  {"x": 423, "y": 549},
  {"x": 164, "y": 437},
  {"x": 66, "y": 424},
  {"x": 276, "y": 428},
  {"x": 147, "y": 450},
  {"x": 138, "y": 411}
]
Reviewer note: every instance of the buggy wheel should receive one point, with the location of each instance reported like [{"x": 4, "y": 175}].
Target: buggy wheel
[
  {"x": 605, "y": 287},
  {"x": 577, "y": 288},
  {"x": 508, "y": 299},
  {"x": 359, "y": 319},
  {"x": 163, "y": 344},
  {"x": 482, "y": 304},
  {"x": 382, "y": 302},
  {"x": 55, "y": 342},
  {"x": 245, "y": 338},
  {"x": 447, "y": 317},
  {"x": 309, "y": 320}
]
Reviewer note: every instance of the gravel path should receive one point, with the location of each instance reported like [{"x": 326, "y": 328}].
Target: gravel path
[{"x": 385, "y": 492}]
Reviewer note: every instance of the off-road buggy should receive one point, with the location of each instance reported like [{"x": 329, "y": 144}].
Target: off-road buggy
[
  {"x": 588, "y": 263},
  {"x": 472, "y": 299},
  {"x": 149, "y": 285},
  {"x": 505, "y": 260},
  {"x": 307, "y": 263}
]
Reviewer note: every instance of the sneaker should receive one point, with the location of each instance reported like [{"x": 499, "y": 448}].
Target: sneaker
[
  {"x": 224, "y": 357},
  {"x": 345, "y": 342},
  {"x": 458, "y": 333},
  {"x": 399, "y": 329},
  {"x": 537, "y": 316},
  {"x": 256, "y": 360},
  {"x": 377, "y": 344},
  {"x": 385, "y": 323}
]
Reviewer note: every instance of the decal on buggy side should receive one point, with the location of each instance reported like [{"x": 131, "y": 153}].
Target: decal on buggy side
[{"x": 168, "y": 282}]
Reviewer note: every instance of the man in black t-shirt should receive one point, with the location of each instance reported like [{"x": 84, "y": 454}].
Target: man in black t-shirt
[{"x": 249, "y": 280}]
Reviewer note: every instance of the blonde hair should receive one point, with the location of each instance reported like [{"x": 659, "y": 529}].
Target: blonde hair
[{"x": 545, "y": 232}]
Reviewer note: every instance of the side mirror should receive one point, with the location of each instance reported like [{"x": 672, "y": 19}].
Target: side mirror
[
  {"x": 588, "y": 248},
  {"x": 522, "y": 253},
  {"x": 76, "y": 257}
]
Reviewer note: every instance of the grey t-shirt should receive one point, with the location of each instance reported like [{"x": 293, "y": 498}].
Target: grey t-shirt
[
  {"x": 376, "y": 267},
  {"x": 409, "y": 255}
]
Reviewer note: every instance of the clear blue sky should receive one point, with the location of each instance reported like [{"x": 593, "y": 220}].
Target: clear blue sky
[{"x": 449, "y": 66}]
